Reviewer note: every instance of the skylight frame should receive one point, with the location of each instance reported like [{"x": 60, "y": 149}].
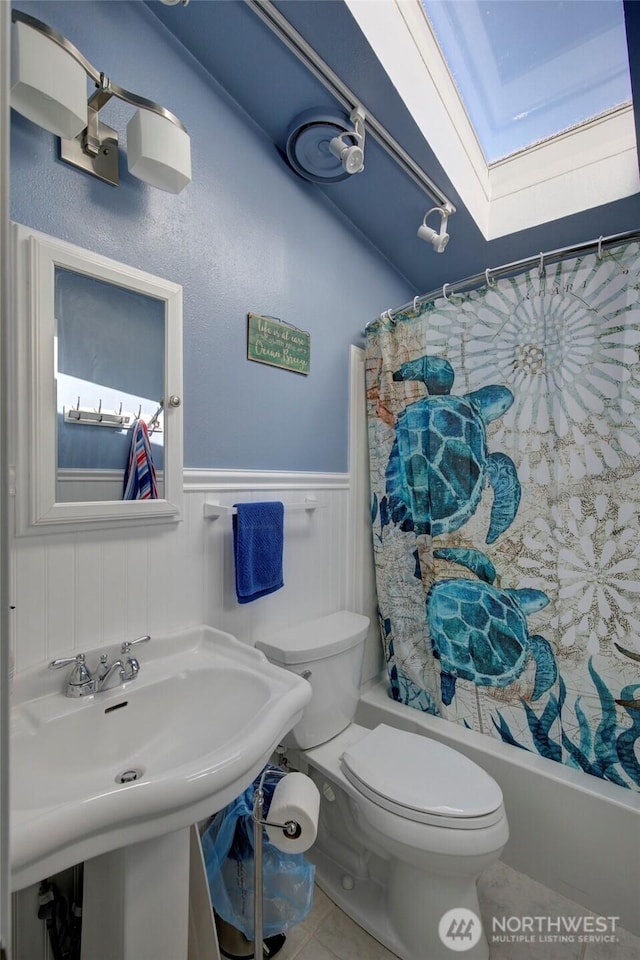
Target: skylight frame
[{"x": 588, "y": 165}]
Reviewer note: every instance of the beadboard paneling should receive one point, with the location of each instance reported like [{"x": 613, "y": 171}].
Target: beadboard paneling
[
  {"x": 314, "y": 566},
  {"x": 85, "y": 590}
]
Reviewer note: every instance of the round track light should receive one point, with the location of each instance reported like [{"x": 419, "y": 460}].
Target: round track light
[{"x": 326, "y": 146}]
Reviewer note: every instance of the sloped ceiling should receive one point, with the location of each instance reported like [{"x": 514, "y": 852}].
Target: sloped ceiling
[{"x": 273, "y": 87}]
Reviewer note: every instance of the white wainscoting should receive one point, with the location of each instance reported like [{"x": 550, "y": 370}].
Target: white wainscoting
[
  {"x": 81, "y": 591},
  {"x": 72, "y": 592},
  {"x": 315, "y": 549},
  {"x": 74, "y": 484}
]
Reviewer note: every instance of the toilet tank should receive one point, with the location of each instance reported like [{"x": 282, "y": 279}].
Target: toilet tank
[{"x": 328, "y": 653}]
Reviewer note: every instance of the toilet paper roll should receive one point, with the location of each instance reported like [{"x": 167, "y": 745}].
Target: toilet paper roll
[{"x": 295, "y": 798}]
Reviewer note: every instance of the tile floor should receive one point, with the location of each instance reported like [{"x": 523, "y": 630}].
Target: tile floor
[{"x": 328, "y": 934}]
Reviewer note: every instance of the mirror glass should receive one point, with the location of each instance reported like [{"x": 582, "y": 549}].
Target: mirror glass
[{"x": 109, "y": 363}]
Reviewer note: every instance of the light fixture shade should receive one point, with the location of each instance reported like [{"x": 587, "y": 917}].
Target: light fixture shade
[
  {"x": 158, "y": 151},
  {"x": 47, "y": 85}
]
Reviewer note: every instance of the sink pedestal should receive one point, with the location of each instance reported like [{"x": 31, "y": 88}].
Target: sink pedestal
[{"x": 136, "y": 901}]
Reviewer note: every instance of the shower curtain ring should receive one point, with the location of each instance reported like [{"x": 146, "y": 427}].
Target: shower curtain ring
[
  {"x": 541, "y": 269},
  {"x": 415, "y": 304},
  {"x": 490, "y": 280},
  {"x": 444, "y": 292},
  {"x": 600, "y": 253}
]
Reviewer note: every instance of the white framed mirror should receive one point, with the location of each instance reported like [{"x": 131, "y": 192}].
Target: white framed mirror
[{"x": 97, "y": 347}]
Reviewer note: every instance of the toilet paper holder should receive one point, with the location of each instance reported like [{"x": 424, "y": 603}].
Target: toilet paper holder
[{"x": 290, "y": 828}]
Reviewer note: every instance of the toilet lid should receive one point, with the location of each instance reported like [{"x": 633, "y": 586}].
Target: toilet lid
[{"x": 421, "y": 775}]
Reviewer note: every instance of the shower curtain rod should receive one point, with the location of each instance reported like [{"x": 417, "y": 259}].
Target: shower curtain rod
[{"x": 493, "y": 273}]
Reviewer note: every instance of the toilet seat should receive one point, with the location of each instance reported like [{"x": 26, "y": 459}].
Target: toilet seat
[{"x": 422, "y": 780}]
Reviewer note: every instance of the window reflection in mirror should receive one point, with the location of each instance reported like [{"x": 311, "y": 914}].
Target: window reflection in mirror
[{"x": 109, "y": 362}]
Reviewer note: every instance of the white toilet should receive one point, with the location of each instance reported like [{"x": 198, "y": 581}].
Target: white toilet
[{"x": 406, "y": 823}]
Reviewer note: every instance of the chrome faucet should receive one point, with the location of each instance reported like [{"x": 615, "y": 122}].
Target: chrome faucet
[
  {"x": 81, "y": 682},
  {"x": 102, "y": 683}
]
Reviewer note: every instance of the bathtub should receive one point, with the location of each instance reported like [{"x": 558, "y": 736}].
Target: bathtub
[{"x": 570, "y": 831}]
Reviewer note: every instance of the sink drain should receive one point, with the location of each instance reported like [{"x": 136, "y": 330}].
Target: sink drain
[{"x": 128, "y": 776}]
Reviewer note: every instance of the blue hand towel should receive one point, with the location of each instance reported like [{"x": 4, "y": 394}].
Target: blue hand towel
[{"x": 258, "y": 540}]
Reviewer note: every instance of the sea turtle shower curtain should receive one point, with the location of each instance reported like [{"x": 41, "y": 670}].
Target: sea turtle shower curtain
[{"x": 504, "y": 434}]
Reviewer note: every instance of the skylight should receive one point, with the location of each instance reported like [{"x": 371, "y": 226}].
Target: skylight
[
  {"x": 528, "y": 70},
  {"x": 551, "y": 147}
]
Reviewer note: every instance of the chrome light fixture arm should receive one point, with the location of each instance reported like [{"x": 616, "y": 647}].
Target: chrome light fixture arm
[
  {"x": 95, "y": 149},
  {"x": 106, "y": 88},
  {"x": 17, "y": 16}
]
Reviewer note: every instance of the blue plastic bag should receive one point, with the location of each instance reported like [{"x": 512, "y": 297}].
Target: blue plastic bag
[{"x": 227, "y": 845}]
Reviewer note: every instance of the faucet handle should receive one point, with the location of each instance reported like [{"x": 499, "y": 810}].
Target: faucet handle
[
  {"x": 64, "y": 661},
  {"x": 126, "y": 646},
  {"x": 80, "y": 673}
]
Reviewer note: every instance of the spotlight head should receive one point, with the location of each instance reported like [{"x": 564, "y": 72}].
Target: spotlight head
[
  {"x": 350, "y": 155},
  {"x": 440, "y": 245},
  {"x": 437, "y": 240}
]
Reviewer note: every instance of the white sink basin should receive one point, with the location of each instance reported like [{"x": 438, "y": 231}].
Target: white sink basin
[{"x": 196, "y": 726}]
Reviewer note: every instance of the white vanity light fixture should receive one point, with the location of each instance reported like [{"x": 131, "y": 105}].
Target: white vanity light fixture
[
  {"x": 351, "y": 155},
  {"x": 439, "y": 239},
  {"x": 158, "y": 151},
  {"x": 48, "y": 86}
]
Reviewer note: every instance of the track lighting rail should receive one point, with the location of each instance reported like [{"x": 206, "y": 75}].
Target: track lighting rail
[{"x": 272, "y": 17}]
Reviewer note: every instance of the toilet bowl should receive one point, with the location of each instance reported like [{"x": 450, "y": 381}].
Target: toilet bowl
[{"x": 406, "y": 824}]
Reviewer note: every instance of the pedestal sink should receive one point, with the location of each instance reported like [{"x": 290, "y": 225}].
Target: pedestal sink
[{"x": 187, "y": 735}]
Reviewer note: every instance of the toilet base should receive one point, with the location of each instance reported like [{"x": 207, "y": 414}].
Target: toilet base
[
  {"x": 381, "y": 910},
  {"x": 416, "y": 904},
  {"x": 364, "y": 902}
]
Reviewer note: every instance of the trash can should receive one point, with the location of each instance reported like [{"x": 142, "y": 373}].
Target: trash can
[
  {"x": 227, "y": 846},
  {"x": 235, "y": 946}
]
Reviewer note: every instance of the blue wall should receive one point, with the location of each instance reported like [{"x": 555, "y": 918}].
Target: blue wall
[{"x": 246, "y": 235}]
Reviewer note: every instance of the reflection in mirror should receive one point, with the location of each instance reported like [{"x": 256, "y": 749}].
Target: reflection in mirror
[{"x": 109, "y": 362}]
